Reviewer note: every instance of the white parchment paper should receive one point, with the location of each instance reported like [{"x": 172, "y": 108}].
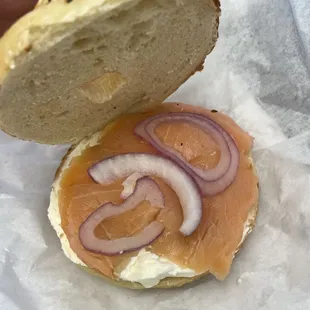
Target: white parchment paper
[{"x": 259, "y": 73}]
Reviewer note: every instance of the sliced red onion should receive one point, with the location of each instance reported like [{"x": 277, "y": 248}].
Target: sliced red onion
[
  {"x": 211, "y": 181},
  {"x": 129, "y": 184},
  {"x": 146, "y": 189},
  {"x": 119, "y": 166},
  {"x": 146, "y": 130}
]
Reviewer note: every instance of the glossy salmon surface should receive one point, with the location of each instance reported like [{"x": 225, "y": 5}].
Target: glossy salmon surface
[{"x": 212, "y": 246}]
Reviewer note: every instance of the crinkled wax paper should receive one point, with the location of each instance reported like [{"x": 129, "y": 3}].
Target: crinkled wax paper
[{"x": 259, "y": 73}]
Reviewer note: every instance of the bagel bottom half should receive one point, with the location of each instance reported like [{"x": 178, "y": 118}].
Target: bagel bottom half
[{"x": 55, "y": 219}]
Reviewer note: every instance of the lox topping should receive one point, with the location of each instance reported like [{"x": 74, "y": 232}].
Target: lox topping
[{"x": 205, "y": 157}]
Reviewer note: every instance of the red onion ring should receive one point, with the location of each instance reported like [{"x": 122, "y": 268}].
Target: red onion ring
[
  {"x": 146, "y": 189},
  {"x": 210, "y": 181},
  {"x": 129, "y": 184},
  {"x": 119, "y": 166}
]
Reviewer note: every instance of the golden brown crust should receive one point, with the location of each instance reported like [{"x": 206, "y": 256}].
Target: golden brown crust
[
  {"x": 217, "y": 3},
  {"x": 63, "y": 160}
]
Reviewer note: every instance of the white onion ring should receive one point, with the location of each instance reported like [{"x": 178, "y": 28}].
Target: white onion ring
[
  {"x": 146, "y": 189},
  {"x": 119, "y": 166},
  {"x": 211, "y": 181}
]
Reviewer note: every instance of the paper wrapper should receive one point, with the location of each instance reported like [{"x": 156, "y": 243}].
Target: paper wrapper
[{"x": 259, "y": 74}]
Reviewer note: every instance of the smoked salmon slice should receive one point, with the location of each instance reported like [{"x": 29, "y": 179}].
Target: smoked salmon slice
[{"x": 212, "y": 246}]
